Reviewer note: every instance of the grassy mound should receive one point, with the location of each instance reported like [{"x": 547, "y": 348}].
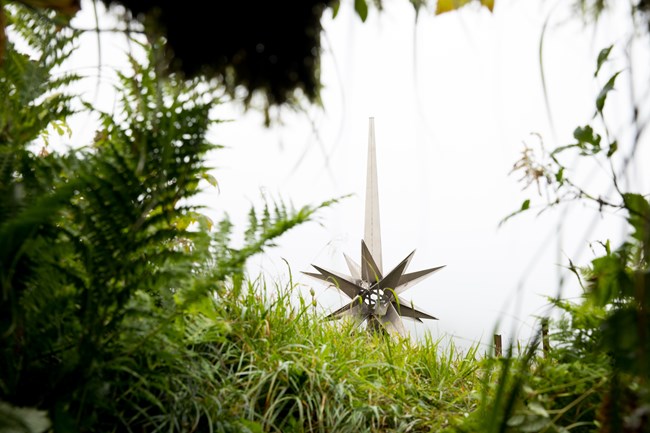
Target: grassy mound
[{"x": 279, "y": 367}]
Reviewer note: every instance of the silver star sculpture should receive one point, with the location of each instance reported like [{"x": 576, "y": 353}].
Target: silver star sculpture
[{"x": 374, "y": 296}]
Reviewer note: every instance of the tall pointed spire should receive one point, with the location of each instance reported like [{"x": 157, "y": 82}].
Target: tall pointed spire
[
  {"x": 374, "y": 295},
  {"x": 372, "y": 230}
]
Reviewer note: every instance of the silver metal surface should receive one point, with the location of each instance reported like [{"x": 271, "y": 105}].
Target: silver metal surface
[{"x": 374, "y": 296}]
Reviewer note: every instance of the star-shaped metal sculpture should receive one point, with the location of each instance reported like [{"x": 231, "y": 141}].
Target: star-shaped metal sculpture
[{"x": 374, "y": 296}]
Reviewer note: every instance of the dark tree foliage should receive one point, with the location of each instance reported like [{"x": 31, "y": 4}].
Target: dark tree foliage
[
  {"x": 255, "y": 47},
  {"x": 258, "y": 45}
]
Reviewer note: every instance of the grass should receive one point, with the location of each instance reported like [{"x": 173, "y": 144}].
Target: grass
[
  {"x": 285, "y": 369},
  {"x": 281, "y": 367}
]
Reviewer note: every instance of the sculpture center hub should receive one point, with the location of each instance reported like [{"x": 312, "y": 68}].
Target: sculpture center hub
[{"x": 373, "y": 296}]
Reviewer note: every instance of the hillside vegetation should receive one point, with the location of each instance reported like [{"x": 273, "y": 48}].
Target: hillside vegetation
[{"x": 123, "y": 308}]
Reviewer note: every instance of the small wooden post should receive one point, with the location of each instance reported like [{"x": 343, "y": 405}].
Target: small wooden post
[
  {"x": 546, "y": 345},
  {"x": 497, "y": 345}
]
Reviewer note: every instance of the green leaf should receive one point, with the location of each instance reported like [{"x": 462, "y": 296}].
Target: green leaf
[
  {"x": 524, "y": 206},
  {"x": 586, "y": 135},
  {"x": 22, "y": 419},
  {"x": 516, "y": 420},
  {"x": 251, "y": 426},
  {"x": 563, "y": 148},
  {"x": 335, "y": 8},
  {"x": 602, "y": 58},
  {"x": 639, "y": 216},
  {"x": 534, "y": 424},
  {"x": 609, "y": 86},
  {"x": 559, "y": 176},
  {"x": 588, "y": 140},
  {"x": 613, "y": 147},
  {"x": 609, "y": 280},
  {"x": 417, "y": 5},
  {"x": 536, "y": 408},
  {"x": 210, "y": 179},
  {"x": 362, "y": 9},
  {"x": 58, "y": 128},
  {"x": 205, "y": 222}
]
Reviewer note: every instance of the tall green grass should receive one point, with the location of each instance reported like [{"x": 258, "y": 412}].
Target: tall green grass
[{"x": 281, "y": 367}]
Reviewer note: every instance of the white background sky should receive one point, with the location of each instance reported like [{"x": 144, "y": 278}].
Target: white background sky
[{"x": 453, "y": 99}]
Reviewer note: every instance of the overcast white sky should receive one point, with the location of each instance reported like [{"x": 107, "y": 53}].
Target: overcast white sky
[{"x": 453, "y": 99}]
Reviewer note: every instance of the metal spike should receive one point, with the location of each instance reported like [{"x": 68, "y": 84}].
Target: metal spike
[
  {"x": 392, "y": 321},
  {"x": 340, "y": 281},
  {"x": 372, "y": 227},
  {"x": 409, "y": 280},
  {"x": 355, "y": 307},
  {"x": 369, "y": 269},
  {"x": 407, "y": 309},
  {"x": 354, "y": 267},
  {"x": 391, "y": 280}
]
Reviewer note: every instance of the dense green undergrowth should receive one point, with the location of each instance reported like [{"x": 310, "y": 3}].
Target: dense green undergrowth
[
  {"x": 124, "y": 309},
  {"x": 277, "y": 366}
]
